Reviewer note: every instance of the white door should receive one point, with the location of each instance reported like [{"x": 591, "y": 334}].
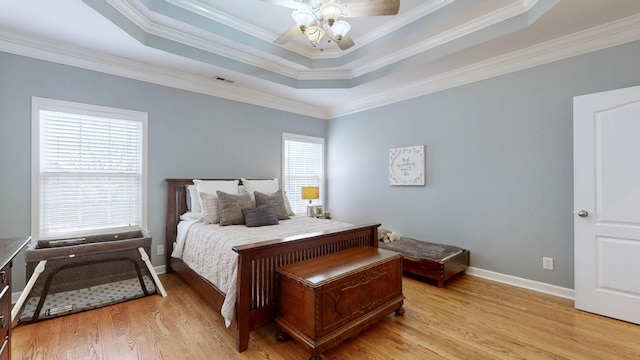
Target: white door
[{"x": 606, "y": 150}]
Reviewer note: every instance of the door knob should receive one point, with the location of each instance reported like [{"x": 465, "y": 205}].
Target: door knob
[{"x": 583, "y": 213}]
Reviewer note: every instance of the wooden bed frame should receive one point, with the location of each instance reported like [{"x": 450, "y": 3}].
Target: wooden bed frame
[{"x": 256, "y": 291}]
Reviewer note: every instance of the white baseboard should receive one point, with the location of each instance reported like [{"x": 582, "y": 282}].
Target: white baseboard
[
  {"x": 522, "y": 283},
  {"x": 494, "y": 276},
  {"x": 160, "y": 269}
]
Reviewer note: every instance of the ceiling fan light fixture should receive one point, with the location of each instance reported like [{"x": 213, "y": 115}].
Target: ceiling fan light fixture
[
  {"x": 339, "y": 30},
  {"x": 314, "y": 34},
  {"x": 303, "y": 18},
  {"x": 317, "y": 18},
  {"x": 331, "y": 13}
]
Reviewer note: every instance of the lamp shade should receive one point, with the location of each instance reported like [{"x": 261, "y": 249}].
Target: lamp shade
[{"x": 310, "y": 192}]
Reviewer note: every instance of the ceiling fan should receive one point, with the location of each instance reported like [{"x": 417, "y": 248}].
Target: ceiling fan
[{"x": 317, "y": 18}]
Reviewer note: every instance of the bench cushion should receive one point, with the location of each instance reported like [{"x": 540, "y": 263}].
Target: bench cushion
[{"x": 421, "y": 249}]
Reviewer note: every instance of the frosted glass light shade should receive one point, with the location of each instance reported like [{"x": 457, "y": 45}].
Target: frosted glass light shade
[
  {"x": 304, "y": 18},
  {"x": 315, "y": 34},
  {"x": 340, "y": 29},
  {"x": 331, "y": 13}
]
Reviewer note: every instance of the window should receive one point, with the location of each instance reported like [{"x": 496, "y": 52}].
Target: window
[
  {"x": 88, "y": 169},
  {"x": 303, "y": 165}
]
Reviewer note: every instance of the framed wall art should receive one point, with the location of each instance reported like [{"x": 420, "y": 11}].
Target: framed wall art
[{"x": 407, "y": 166}]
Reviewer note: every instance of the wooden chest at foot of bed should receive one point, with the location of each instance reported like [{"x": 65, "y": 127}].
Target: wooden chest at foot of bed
[{"x": 323, "y": 301}]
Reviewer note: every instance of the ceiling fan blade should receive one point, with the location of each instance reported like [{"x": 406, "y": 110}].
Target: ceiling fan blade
[
  {"x": 288, "y": 36},
  {"x": 370, "y": 8},
  {"x": 291, "y": 4},
  {"x": 345, "y": 43}
]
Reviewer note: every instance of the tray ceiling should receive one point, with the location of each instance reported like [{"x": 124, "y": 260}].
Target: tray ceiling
[{"x": 226, "y": 49}]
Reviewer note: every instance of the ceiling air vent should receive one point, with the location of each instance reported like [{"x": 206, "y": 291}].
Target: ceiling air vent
[{"x": 220, "y": 78}]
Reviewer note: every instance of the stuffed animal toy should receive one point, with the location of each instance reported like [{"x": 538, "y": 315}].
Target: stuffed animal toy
[{"x": 388, "y": 236}]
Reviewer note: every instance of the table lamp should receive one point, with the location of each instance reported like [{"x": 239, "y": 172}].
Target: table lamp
[{"x": 310, "y": 193}]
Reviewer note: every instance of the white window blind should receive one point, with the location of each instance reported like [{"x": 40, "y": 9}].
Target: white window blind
[
  {"x": 303, "y": 165},
  {"x": 90, "y": 169}
]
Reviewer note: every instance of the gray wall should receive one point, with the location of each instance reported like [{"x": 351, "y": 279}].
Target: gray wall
[
  {"x": 499, "y": 164},
  {"x": 190, "y": 135}
]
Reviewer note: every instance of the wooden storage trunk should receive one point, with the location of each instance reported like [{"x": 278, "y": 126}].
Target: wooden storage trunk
[
  {"x": 435, "y": 261},
  {"x": 325, "y": 300}
]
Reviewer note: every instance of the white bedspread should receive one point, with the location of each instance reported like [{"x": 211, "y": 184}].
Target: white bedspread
[{"x": 207, "y": 249}]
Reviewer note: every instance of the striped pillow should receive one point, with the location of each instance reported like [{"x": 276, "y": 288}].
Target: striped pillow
[{"x": 210, "y": 208}]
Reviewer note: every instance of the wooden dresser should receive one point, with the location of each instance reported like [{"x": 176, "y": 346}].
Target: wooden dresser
[
  {"x": 9, "y": 248},
  {"x": 325, "y": 300}
]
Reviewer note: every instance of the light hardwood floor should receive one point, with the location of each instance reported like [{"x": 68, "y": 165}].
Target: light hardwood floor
[{"x": 471, "y": 318}]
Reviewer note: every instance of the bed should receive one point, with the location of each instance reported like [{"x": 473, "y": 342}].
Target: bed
[
  {"x": 256, "y": 262},
  {"x": 434, "y": 261}
]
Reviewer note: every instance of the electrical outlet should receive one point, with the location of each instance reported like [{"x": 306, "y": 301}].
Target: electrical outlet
[
  {"x": 160, "y": 250},
  {"x": 547, "y": 263}
]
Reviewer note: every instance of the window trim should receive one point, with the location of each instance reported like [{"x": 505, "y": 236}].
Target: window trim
[
  {"x": 38, "y": 104},
  {"x": 309, "y": 139}
]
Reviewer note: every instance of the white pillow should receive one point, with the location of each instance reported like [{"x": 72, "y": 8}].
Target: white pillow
[
  {"x": 194, "y": 199},
  {"x": 211, "y": 186},
  {"x": 190, "y": 215},
  {"x": 263, "y": 186}
]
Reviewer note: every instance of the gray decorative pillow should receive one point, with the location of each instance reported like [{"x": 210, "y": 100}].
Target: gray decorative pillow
[
  {"x": 275, "y": 200},
  {"x": 230, "y": 206},
  {"x": 210, "y": 208},
  {"x": 287, "y": 204},
  {"x": 262, "y": 215}
]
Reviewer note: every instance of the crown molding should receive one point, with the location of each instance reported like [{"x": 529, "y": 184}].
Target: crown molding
[
  {"x": 209, "y": 12},
  {"x": 244, "y": 55},
  {"x": 200, "y": 8},
  {"x": 220, "y": 46},
  {"x": 476, "y": 23},
  {"x": 398, "y": 22},
  {"x": 66, "y": 54},
  {"x": 225, "y": 48},
  {"x": 601, "y": 37},
  {"x": 598, "y": 38},
  {"x": 270, "y": 63}
]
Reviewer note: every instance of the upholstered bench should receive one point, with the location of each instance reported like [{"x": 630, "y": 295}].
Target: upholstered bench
[{"x": 438, "y": 262}]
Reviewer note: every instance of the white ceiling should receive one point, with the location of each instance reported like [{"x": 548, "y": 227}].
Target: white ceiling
[{"x": 429, "y": 46}]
